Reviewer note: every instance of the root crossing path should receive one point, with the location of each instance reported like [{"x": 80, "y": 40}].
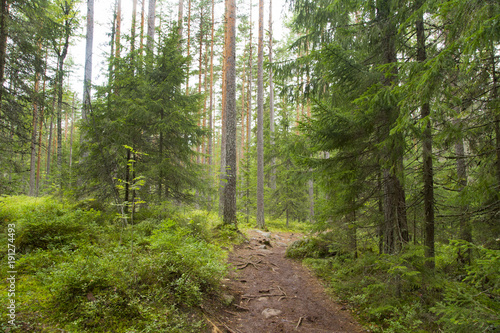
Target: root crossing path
[{"x": 270, "y": 293}]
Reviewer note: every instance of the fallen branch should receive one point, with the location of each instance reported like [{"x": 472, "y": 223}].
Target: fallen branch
[
  {"x": 300, "y": 322},
  {"x": 216, "y": 329},
  {"x": 231, "y": 330},
  {"x": 241, "y": 307}
]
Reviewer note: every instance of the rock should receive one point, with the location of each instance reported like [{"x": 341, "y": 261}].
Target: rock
[
  {"x": 263, "y": 247},
  {"x": 264, "y": 234},
  {"x": 268, "y": 313}
]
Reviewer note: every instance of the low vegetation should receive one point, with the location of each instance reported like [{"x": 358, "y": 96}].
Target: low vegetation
[
  {"x": 396, "y": 293},
  {"x": 86, "y": 270}
]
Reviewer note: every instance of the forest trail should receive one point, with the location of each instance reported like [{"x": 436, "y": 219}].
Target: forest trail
[{"x": 277, "y": 294}]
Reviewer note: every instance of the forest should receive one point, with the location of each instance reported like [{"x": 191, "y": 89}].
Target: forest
[{"x": 371, "y": 127}]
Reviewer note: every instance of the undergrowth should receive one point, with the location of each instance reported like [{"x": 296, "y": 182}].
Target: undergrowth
[
  {"x": 396, "y": 293},
  {"x": 86, "y": 270}
]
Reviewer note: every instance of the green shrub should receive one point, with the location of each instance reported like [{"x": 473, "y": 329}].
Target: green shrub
[
  {"x": 43, "y": 223},
  {"x": 473, "y": 304},
  {"x": 314, "y": 247},
  {"x": 79, "y": 274}
]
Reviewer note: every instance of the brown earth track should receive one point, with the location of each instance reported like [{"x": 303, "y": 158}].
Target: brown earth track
[{"x": 265, "y": 281}]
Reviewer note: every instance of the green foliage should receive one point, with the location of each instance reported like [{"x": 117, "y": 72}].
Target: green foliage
[
  {"x": 313, "y": 247},
  {"x": 473, "y": 302},
  {"x": 44, "y": 223},
  {"x": 449, "y": 300},
  {"x": 103, "y": 277},
  {"x": 146, "y": 109}
]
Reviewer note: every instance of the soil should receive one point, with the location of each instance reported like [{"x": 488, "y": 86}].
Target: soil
[{"x": 268, "y": 293}]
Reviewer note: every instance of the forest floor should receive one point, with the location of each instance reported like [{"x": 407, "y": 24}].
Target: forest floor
[{"x": 270, "y": 293}]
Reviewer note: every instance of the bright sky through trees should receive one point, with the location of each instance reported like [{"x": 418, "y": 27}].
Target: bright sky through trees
[{"x": 167, "y": 10}]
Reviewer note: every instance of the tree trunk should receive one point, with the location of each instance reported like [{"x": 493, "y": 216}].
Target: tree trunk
[
  {"x": 118, "y": 29},
  {"x": 141, "y": 39},
  {"x": 395, "y": 231},
  {"x": 132, "y": 31},
  {"x": 230, "y": 188},
  {"x": 271, "y": 98},
  {"x": 39, "y": 155},
  {"x": 242, "y": 139},
  {"x": 87, "y": 80},
  {"x": 428, "y": 173},
  {"x": 181, "y": 17},
  {"x": 260, "y": 120},
  {"x": 249, "y": 113},
  {"x": 465, "y": 231},
  {"x": 352, "y": 230},
  {"x": 222, "y": 182},
  {"x": 71, "y": 134},
  {"x": 496, "y": 114},
  {"x": 49, "y": 144},
  {"x": 4, "y": 17},
  {"x": 188, "y": 45},
  {"x": 32, "y": 183},
  {"x": 151, "y": 27},
  {"x": 210, "y": 125}
]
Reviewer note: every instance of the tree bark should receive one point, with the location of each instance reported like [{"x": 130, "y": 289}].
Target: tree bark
[
  {"x": 222, "y": 182},
  {"x": 230, "y": 188},
  {"x": 39, "y": 154},
  {"x": 181, "y": 17},
  {"x": 118, "y": 29},
  {"x": 4, "y": 17},
  {"x": 141, "y": 39},
  {"x": 210, "y": 125},
  {"x": 271, "y": 98},
  {"x": 465, "y": 230},
  {"x": 396, "y": 229},
  {"x": 32, "y": 183},
  {"x": 260, "y": 120},
  {"x": 71, "y": 134},
  {"x": 188, "y": 45},
  {"x": 151, "y": 27},
  {"x": 133, "y": 28},
  {"x": 428, "y": 173},
  {"x": 87, "y": 80}
]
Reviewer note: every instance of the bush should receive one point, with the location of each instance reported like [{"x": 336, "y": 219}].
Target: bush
[
  {"x": 473, "y": 304},
  {"x": 314, "y": 247},
  {"x": 82, "y": 275},
  {"x": 43, "y": 223}
]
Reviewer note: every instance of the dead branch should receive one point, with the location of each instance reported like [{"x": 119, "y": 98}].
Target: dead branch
[{"x": 300, "y": 322}]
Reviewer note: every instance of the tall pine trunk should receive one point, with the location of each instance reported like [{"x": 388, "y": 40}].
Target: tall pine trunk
[
  {"x": 260, "y": 120},
  {"x": 32, "y": 182},
  {"x": 230, "y": 111},
  {"x": 271, "y": 98},
  {"x": 151, "y": 27},
  {"x": 4, "y": 18},
  {"x": 188, "y": 44}
]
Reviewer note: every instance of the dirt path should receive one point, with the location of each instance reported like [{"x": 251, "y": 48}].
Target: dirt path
[{"x": 276, "y": 294}]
